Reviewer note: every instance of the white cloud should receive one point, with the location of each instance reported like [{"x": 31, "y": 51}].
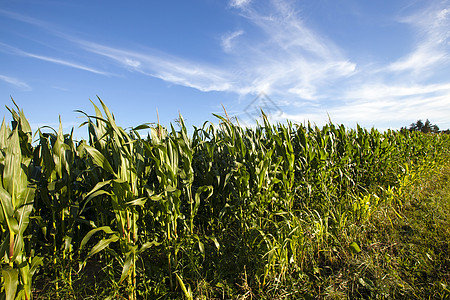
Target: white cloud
[
  {"x": 60, "y": 88},
  {"x": 16, "y": 82},
  {"x": 304, "y": 69},
  {"x": 395, "y": 110},
  {"x": 400, "y": 92},
  {"x": 65, "y": 63},
  {"x": 168, "y": 68},
  {"x": 418, "y": 60},
  {"x": 239, "y": 3},
  {"x": 432, "y": 49},
  {"x": 383, "y": 91},
  {"x": 381, "y": 105},
  {"x": 227, "y": 40},
  {"x": 132, "y": 63},
  {"x": 289, "y": 57},
  {"x": 17, "y": 51},
  {"x": 303, "y": 92},
  {"x": 26, "y": 19}
]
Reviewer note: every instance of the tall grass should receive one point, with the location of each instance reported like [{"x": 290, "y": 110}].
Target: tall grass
[{"x": 226, "y": 209}]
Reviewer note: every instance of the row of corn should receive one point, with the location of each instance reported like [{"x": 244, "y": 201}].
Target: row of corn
[{"x": 170, "y": 209}]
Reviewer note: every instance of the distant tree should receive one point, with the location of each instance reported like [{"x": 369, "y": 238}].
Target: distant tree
[
  {"x": 426, "y": 127},
  {"x": 419, "y": 125}
]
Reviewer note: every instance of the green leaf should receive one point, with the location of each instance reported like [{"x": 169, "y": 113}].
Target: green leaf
[
  {"x": 95, "y": 192},
  {"x": 88, "y": 236},
  {"x": 126, "y": 266},
  {"x": 109, "y": 116},
  {"x": 99, "y": 159},
  {"x": 216, "y": 243},
  {"x": 187, "y": 292},
  {"x": 25, "y": 126},
  {"x": 13, "y": 225},
  {"x": 137, "y": 202},
  {"x": 156, "y": 197},
  {"x": 22, "y": 214},
  {"x": 201, "y": 247},
  {"x": 35, "y": 263},
  {"x": 4, "y": 246},
  {"x": 142, "y": 126},
  {"x": 102, "y": 244},
  {"x": 18, "y": 248},
  {"x": 354, "y": 247},
  {"x": 10, "y": 278},
  {"x": 14, "y": 178},
  {"x": 146, "y": 246},
  {"x": 6, "y": 203},
  {"x": 4, "y": 133},
  {"x": 200, "y": 190}
]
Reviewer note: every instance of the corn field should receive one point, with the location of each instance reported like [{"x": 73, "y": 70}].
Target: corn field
[{"x": 168, "y": 214}]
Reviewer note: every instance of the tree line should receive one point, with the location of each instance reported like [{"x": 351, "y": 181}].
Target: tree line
[{"x": 426, "y": 127}]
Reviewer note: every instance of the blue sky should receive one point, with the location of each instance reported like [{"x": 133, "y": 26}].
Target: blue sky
[{"x": 380, "y": 64}]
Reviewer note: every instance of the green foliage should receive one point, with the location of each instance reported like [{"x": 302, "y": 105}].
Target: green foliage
[
  {"x": 225, "y": 212},
  {"x": 426, "y": 127},
  {"x": 17, "y": 195}
]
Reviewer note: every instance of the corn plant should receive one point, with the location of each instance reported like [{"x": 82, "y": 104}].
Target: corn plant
[
  {"x": 172, "y": 210},
  {"x": 17, "y": 195},
  {"x": 123, "y": 166}
]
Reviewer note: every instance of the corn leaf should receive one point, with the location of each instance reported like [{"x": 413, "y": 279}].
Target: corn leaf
[
  {"x": 102, "y": 244},
  {"x": 88, "y": 236},
  {"x": 99, "y": 159},
  {"x": 11, "y": 281},
  {"x": 129, "y": 261}
]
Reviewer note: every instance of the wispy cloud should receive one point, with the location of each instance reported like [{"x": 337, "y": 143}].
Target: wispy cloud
[
  {"x": 382, "y": 113},
  {"x": 48, "y": 27},
  {"x": 393, "y": 104},
  {"x": 297, "y": 65},
  {"x": 16, "y": 82},
  {"x": 395, "y": 110},
  {"x": 166, "y": 67},
  {"x": 239, "y": 3},
  {"x": 399, "y": 97},
  {"x": 289, "y": 57},
  {"x": 60, "y": 88},
  {"x": 399, "y": 92},
  {"x": 227, "y": 40},
  {"x": 294, "y": 56},
  {"x": 17, "y": 51},
  {"x": 26, "y": 19},
  {"x": 433, "y": 42},
  {"x": 66, "y": 63},
  {"x": 383, "y": 91}
]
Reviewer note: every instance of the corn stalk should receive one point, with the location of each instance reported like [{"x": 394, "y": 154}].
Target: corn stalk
[{"x": 17, "y": 195}]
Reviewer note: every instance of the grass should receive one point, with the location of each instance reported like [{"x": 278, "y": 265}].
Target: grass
[
  {"x": 404, "y": 252},
  {"x": 420, "y": 239}
]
